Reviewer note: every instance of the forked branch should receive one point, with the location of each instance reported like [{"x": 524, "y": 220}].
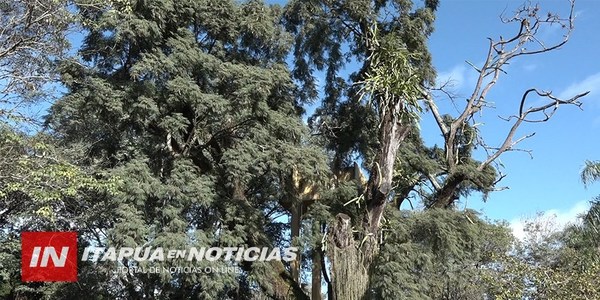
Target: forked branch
[
  {"x": 500, "y": 53},
  {"x": 547, "y": 110}
]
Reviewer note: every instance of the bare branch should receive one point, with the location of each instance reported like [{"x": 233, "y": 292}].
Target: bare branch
[
  {"x": 434, "y": 182},
  {"x": 500, "y": 177},
  {"x": 436, "y": 113},
  {"x": 554, "y": 103},
  {"x": 32, "y": 36},
  {"x": 501, "y": 52}
]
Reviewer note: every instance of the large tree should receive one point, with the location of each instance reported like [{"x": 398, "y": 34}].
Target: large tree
[
  {"x": 40, "y": 186},
  {"x": 188, "y": 119},
  {"x": 372, "y": 114},
  {"x": 191, "y": 105}
]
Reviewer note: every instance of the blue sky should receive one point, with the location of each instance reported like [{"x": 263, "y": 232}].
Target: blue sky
[{"x": 550, "y": 181}]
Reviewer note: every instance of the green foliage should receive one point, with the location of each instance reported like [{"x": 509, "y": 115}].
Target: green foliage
[
  {"x": 437, "y": 254},
  {"x": 181, "y": 125},
  {"x": 591, "y": 172},
  {"x": 549, "y": 263},
  {"x": 417, "y": 165},
  {"x": 33, "y": 168},
  {"x": 392, "y": 76},
  {"x": 191, "y": 105},
  {"x": 446, "y": 254},
  {"x": 41, "y": 189},
  {"x": 387, "y": 39}
]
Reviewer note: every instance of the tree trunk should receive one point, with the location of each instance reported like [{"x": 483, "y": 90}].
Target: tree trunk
[
  {"x": 391, "y": 134},
  {"x": 350, "y": 279},
  {"x": 316, "y": 276},
  {"x": 296, "y": 221},
  {"x": 351, "y": 262},
  {"x": 279, "y": 284}
]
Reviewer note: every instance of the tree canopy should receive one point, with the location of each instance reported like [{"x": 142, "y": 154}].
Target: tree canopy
[{"x": 181, "y": 125}]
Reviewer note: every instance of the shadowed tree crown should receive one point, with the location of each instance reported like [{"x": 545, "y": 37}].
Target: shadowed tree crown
[
  {"x": 192, "y": 105},
  {"x": 374, "y": 35}
]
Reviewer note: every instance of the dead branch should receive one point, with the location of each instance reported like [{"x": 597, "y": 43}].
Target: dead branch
[
  {"x": 553, "y": 104},
  {"x": 500, "y": 53}
]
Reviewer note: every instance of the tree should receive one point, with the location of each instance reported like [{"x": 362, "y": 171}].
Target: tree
[
  {"x": 375, "y": 110},
  {"x": 389, "y": 38},
  {"x": 462, "y": 132},
  {"x": 32, "y": 38},
  {"x": 191, "y": 104},
  {"x": 181, "y": 127},
  {"x": 445, "y": 254},
  {"x": 576, "y": 264},
  {"x": 590, "y": 227},
  {"x": 41, "y": 187},
  {"x": 550, "y": 263}
]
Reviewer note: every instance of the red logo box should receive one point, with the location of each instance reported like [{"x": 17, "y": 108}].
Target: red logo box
[{"x": 49, "y": 256}]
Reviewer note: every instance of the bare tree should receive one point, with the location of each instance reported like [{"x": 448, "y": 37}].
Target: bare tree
[{"x": 500, "y": 52}]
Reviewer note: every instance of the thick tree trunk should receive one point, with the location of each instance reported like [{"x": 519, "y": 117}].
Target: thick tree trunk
[
  {"x": 351, "y": 260},
  {"x": 350, "y": 279},
  {"x": 391, "y": 135}
]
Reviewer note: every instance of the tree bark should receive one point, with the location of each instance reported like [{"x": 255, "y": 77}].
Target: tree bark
[
  {"x": 351, "y": 263},
  {"x": 350, "y": 277},
  {"x": 391, "y": 135},
  {"x": 316, "y": 276},
  {"x": 296, "y": 221},
  {"x": 280, "y": 284}
]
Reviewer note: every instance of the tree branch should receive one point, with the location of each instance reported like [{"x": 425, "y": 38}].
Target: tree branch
[{"x": 555, "y": 102}]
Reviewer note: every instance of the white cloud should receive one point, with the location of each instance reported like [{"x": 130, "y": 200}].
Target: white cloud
[
  {"x": 552, "y": 219},
  {"x": 518, "y": 228},
  {"x": 455, "y": 77},
  {"x": 590, "y": 83},
  {"x": 530, "y": 67}
]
